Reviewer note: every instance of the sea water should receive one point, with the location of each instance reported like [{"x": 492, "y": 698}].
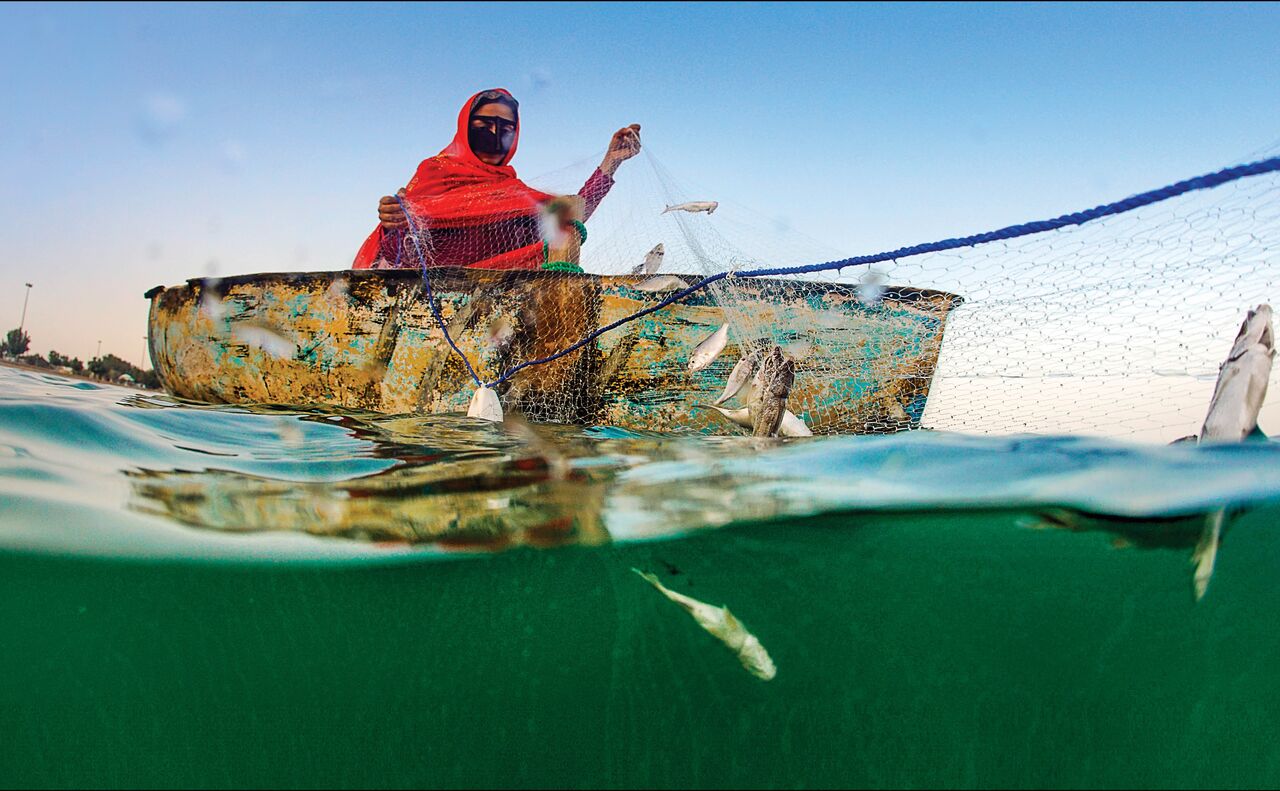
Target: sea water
[{"x": 197, "y": 595}]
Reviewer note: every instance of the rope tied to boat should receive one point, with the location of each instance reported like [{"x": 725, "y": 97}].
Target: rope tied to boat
[
  {"x": 1203, "y": 182},
  {"x": 431, "y": 299}
]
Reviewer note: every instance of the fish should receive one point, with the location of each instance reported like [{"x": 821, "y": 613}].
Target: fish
[
  {"x": 792, "y": 426},
  {"x": 652, "y": 262},
  {"x": 693, "y": 207},
  {"x": 1242, "y": 381},
  {"x": 770, "y": 388},
  {"x": 485, "y": 405},
  {"x": 265, "y": 337},
  {"x": 739, "y": 376},
  {"x": 1233, "y": 415},
  {"x": 722, "y": 625},
  {"x": 1206, "y": 552},
  {"x": 707, "y": 351},
  {"x": 660, "y": 283}
]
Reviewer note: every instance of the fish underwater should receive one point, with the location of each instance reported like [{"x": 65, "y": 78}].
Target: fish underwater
[
  {"x": 791, "y": 426},
  {"x": 694, "y": 207},
  {"x": 724, "y": 627},
  {"x": 707, "y": 351},
  {"x": 485, "y": 405},
  {"x": 660, "y": 283},
  {"x": 652, "y": 261},
  {"x": 739, "y": 376},
  {"x": 1206, "y": 552},
  {"x": 770, "y": 388}
]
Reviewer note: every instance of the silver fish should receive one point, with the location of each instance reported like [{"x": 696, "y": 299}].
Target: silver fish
[
  {"x": 660, "y": 283},
  {"x": 1232, "y": 416},
  {"x": 770, "y": 388},
  {"x": 722, "y": 625},
  {"x": 792, "y": 426},
  {"x": 739, "y": 376},
  {"x": 652, "y": 261},
  {"x": 1206, "y": 552},
  {"x": 1242, "y": 381},
  {"x": 692, "y": 207},
  {"x": 709, "y": 349},
  {"x": 485, "y": 405}
]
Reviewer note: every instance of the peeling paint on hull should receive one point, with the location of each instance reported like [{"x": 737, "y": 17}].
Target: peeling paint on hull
[{"x": 367, "y": 340}]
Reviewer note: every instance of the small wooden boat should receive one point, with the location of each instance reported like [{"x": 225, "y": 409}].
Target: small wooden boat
[{"x": 368, "y": 340}]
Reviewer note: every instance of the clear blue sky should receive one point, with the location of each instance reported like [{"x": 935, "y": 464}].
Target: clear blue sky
[{"x": 142, "y": 145}]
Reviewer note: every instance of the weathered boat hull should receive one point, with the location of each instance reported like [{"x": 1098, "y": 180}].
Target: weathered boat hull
[{"x": 368, "y": 340}]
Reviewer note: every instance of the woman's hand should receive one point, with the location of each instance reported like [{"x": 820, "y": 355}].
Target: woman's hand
[
  {"x": 624, "y": 145},
  {"x": 390, "y": 214}
]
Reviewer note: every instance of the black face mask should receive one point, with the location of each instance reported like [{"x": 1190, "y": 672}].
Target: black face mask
[{"x": 495, "y": 137}]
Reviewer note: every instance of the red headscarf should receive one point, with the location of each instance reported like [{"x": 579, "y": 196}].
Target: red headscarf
[{"x": 454, "y": 189}]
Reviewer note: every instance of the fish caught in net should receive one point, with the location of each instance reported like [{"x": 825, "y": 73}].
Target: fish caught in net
[{"x": 1113, "y": 326}]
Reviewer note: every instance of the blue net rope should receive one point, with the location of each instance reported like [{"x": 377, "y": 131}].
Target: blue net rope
[{"x": 1207, "y": 181}]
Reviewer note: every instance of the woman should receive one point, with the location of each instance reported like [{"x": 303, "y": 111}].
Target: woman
[{"x": 467, "y": 199}]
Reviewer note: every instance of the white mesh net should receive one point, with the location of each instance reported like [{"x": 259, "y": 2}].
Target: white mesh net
[{"x": 1113, "y": 327}]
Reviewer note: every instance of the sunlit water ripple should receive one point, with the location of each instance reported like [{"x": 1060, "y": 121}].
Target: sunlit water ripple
[{"x": 98, "y": 469}]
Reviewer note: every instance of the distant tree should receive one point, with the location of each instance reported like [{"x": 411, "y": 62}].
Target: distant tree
[
  {"x": 16, "y": 343},
  {"x": 34, "y": 360},
  {"x": 58, "y": 360},
  {"x": 111, "y": 368}
]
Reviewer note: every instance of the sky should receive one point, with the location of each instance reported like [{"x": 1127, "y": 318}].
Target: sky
[{"x": 141, "y": 145}]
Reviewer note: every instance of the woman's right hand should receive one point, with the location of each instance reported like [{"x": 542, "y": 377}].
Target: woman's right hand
[{"x": 390, "y": 214}]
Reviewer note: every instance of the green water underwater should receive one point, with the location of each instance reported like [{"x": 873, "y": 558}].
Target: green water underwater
[{"x": 232, "y": 597}]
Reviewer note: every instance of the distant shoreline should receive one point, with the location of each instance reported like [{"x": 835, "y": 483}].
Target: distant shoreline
[{"x": 73, "y": 375}]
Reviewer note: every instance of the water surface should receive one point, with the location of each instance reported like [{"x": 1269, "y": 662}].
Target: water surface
[{"x": 229, "y": 596}]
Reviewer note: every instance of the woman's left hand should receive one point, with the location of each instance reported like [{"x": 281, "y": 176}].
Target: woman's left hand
[{"x": 624, "y": 145}]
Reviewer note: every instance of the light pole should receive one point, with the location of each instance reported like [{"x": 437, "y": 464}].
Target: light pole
[
  {"x": 143, "y": 367},
  {"x": 99, "y": 349},
  {"x": 22, "y": 323}
]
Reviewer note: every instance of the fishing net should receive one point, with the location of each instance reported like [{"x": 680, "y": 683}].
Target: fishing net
[{"x": 1115, "y": 326}]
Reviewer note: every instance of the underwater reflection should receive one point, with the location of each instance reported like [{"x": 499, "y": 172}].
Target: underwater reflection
[
  {"x": 472, "y": 504},
  {"x": 454, "y": 483}
]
